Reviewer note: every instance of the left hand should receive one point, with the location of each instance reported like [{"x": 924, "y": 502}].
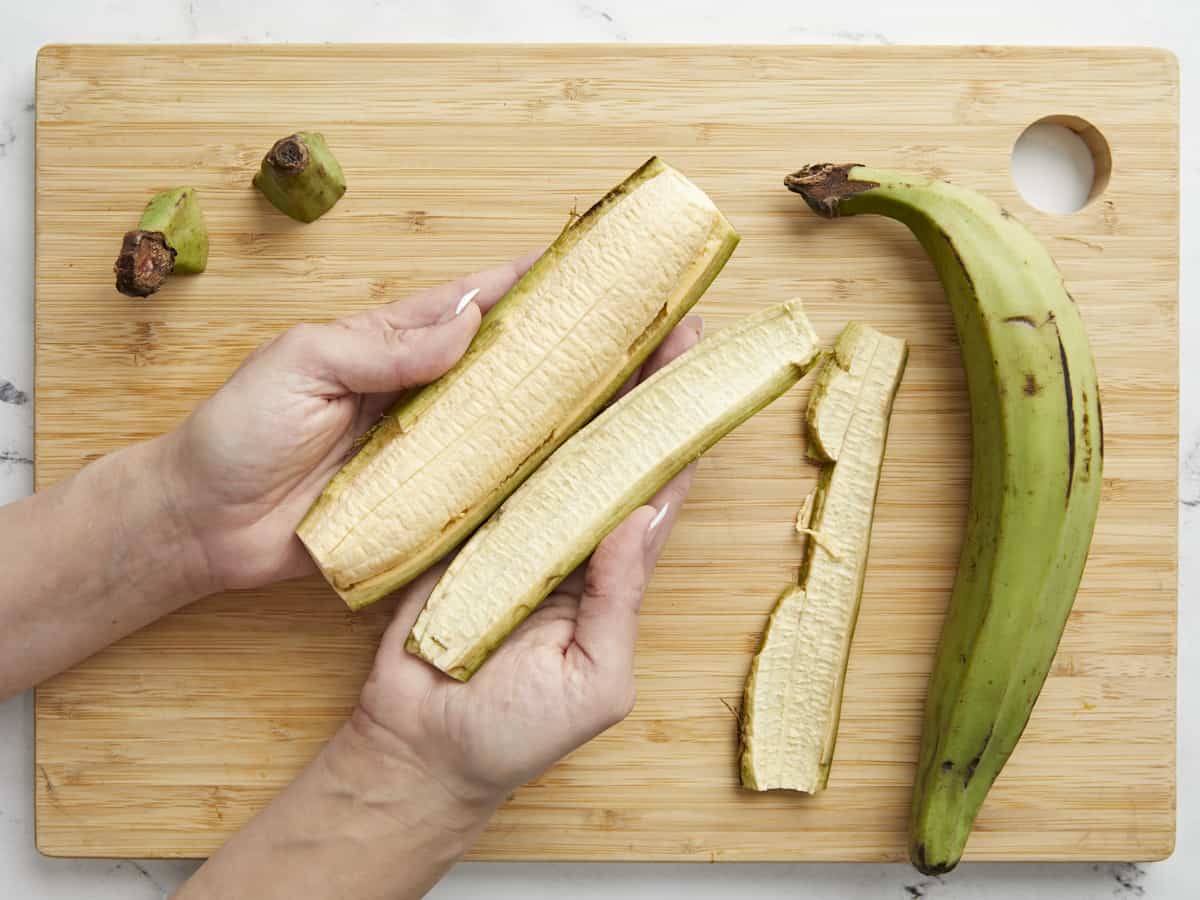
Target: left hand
[{"x": 249, "y": 461}]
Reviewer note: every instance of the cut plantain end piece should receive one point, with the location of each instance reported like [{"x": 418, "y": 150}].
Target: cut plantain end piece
[
  {"x": 794, "y": 691},
  {"x": 1037, "y": 453},
  {"x": 615, "y": 464},
  {"x": 171, "y": 237},
  {"x": 546, "y": 358},
  {"x": 301, "y": 177}
]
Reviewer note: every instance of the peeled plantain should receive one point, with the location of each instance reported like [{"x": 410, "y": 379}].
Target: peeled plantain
[
  {"x": 1037, "y": 449},
  {"x": 546, "y": 358},
  {"x": 615, "y": 464}
]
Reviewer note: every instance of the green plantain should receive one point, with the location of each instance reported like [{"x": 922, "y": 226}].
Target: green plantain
[{"x": 1037, "y": 447}]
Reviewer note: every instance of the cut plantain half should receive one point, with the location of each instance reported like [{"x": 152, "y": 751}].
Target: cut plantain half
[
  {"x": 615, "y": 464},
  {"x": 793, "y": 695},
  {"x": 546, "y": 358}
]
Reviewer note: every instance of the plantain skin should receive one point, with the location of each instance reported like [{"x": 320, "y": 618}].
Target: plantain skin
[
  {"x": 1037, "y": 452},
  {"x": 301, "y": 176}
]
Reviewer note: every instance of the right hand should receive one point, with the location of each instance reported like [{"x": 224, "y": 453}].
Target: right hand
[{"x": 562, "y": 677}]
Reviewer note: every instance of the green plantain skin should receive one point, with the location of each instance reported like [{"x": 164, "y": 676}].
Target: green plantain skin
[
  {"x": 177, "y": 215},
  {"x": 1037, "y": 450},
  {"x": 301, "y": 176}
]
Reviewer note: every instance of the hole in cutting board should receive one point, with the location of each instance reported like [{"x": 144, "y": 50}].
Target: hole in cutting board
[{"x": 1061, "y": 163}]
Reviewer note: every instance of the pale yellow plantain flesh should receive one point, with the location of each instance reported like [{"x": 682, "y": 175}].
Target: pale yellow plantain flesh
[
  {"x": 548, "y": 356},
  {"x": 794, "y": 691},
  {"x": 602, "y": 474}
]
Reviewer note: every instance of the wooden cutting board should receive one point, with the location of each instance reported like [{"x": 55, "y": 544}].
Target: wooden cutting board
[{"x": 462, "y": 156}]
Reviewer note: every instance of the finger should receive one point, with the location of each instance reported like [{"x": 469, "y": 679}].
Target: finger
[
  {"x": 606, "y": 626},
  {"x": 379, "y": 360},
  {"x": 681, "y": 338},
  {"x": 435, "y": 304},
  {"x": 669, "y": 498}
]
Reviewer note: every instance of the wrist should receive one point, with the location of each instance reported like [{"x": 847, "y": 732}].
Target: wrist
[
  {"x": 377, "y": 764},
  {"x": 153, "y": 469}
]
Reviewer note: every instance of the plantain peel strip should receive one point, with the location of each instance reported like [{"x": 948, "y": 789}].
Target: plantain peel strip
[
  {"x": 615, "y": 464},
  {"x": 794, "y": 691},
  {"x": 546, "y": 358}
]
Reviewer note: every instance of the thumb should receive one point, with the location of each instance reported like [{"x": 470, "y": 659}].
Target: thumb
[
  {"x": 606, "y": 627},
  {"x": 372, "y": 359}
]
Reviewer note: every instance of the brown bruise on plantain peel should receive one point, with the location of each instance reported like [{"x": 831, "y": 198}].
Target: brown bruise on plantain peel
[{"x": 1066, "y": 373}]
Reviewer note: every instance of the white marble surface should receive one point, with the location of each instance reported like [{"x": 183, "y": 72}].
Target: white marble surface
[{"x": 25, "y": 26}]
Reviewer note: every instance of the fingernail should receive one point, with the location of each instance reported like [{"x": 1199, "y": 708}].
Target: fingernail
[
  {"x": 658, "y": 517},
  {"x": 696, "y": 323},
  {"x": 466, "y": 299}
]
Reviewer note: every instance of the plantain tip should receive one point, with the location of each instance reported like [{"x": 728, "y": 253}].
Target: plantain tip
[
  {"x": 144, "y": 263},
  {"x": 825, "y": 185},
  {"x": 289, "y": 155},
  {"x": 920, "y": 861}
]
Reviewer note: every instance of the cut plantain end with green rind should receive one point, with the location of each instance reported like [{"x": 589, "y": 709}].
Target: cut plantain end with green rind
[
  {"x": 1037, "y": 452},
  {"x": 171, "y": 237},
  {"x": 793, "y": 694},
  {"x": 612, "y": 466},
  {"x": 301, "y": 176},
  {"x": 546, "y": 358}
]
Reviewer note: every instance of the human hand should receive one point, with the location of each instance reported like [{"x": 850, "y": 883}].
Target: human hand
[
  {"x": 561, "y": 678},
  {"x": 251, "y": 459}
]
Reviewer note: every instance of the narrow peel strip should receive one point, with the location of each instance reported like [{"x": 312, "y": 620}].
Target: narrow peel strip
[{"x": 793, "y": 693}]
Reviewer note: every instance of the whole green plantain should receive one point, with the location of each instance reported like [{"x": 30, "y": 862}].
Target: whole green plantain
[{"x": 1037, "y": 447}]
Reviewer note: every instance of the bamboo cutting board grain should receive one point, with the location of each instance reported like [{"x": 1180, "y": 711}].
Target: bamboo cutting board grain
[{"x": 460, "y": 157}]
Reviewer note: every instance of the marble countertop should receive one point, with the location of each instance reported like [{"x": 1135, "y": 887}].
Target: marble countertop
[{"x": 24, "y": 27}]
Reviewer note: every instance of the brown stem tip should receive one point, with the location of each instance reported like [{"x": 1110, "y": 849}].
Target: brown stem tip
[
  {"x": 144, "y": 263},
  {"x": 824, "y": 185},
  {"x": 288, "y": 156}
]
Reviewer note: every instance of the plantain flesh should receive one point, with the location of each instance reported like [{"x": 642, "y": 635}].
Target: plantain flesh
[
  {"x": 615, "y": 464},
  {"x": 545, "y": 359},
  {"x": 793, "y": 694}
]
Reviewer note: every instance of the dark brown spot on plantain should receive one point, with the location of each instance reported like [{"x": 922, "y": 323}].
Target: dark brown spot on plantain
[
  {"x": 969, "y": 772},
  {"x": 825, "y": 185},
  {"x": 1066, "y": 371},
  {"x": 1031, "y": 388},
  {"x": 288, "y": 156},
  {"x": 144, "y": 263},
  {"x": 962, "y": 266}
]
